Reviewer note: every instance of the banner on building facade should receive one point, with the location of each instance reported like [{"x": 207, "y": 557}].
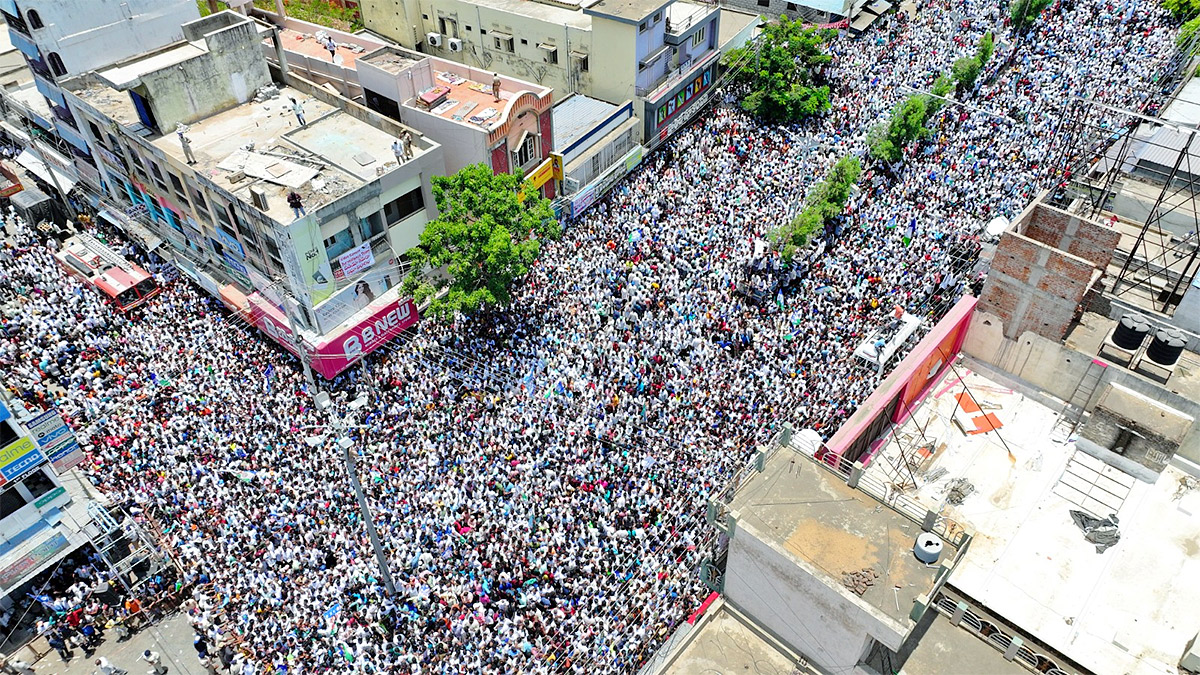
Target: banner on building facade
[{"x": 306, "y": 261}]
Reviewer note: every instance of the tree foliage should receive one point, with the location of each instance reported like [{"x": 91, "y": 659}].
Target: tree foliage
[
  {"x": 987, "y": 47},
  {"x": 782, "y": 72},
  {"x": 942, "y": 88},
  {"x": 1025, "y": 12},
  {"x": 886, "y": 142},
  {"x": 1182, "y": 9},
  {"x": 825, "y": 202},
  {"x": 488, "y": 234},
  {"x": 966, "y": 71},
  {"x": 1187, "y": 32}
]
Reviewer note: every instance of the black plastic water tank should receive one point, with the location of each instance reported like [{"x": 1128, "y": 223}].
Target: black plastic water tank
[
  {"x": 1166, "y": 347},
  {"x": 1130, "y": 331}
]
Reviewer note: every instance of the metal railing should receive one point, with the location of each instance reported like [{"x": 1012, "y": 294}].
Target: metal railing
[
  {"x": 679, "y": 27},
  {"x": 992, "y": 632}
]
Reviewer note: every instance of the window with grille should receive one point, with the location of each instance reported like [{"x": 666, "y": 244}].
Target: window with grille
[{"x": 527, "y": 151}]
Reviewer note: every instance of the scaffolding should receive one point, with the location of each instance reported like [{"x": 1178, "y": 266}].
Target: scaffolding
[
  {"x": 126, "y": 546},
  {"x": 1110, "y": 159}
]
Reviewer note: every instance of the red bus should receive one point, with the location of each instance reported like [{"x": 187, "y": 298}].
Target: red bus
[{"x": 124, "y": 284}]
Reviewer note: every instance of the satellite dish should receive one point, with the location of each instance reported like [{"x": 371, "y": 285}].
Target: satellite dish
[{"x": 997, "y": 226}]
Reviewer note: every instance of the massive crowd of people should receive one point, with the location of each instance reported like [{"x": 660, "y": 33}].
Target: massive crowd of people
[{"x": 539, "y": 474}]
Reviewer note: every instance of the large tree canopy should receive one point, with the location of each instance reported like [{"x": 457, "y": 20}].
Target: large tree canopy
[
  {"x": 1025, "y": 12},
  {"x": 488, "y": 233},
  {"x": 782, "y": 71}
]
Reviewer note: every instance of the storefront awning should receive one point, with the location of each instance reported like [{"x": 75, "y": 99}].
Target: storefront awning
[
  {"x": 39, "y": 169},
  {"x": 14, "y": 131}
]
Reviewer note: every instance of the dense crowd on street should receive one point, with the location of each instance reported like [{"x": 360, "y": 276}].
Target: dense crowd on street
[{"x": 539, "y": 474}]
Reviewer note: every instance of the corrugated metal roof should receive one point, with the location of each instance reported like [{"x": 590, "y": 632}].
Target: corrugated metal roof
[
  {"x": 1185, "y": 109},
  {"x": 1155, "y": 147},
  {"x": 575, "y": 116}
]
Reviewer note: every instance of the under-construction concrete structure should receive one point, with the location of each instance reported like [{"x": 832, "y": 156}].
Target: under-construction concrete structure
[{"x": 1138, "y": 171}]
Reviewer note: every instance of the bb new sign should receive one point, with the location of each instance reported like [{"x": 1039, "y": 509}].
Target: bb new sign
[{"x": 344, "y": 348}]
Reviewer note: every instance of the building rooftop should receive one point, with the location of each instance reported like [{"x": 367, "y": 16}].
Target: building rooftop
[
  {"x": 732, "y": 23},
  {"x": 941, "y": 648},
  {"x": 632, "y": 11},
  {"x": 127, "y": 73},
  {"x": 727, "y": 642},
  {"x": 1087, "y": 335},
  {"x": 576, "y": 115},
  {"x": 31, "y": 98},
  {"x": 469, "y": 101},
  {"x": 1185, "y": 107},
  {"x": 391, "y": 61},
  {"x": 815, "y": 516},
  {"x": 306, "y": 43},
  {"x": 683, "y": 14},
  {"x": 568, "y": 16},
  {"x": 333, "y": 155},
  {"x": 1120, "y": 611}
]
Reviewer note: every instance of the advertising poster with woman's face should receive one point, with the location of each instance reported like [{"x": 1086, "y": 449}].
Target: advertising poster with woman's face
[{"x": 357, "y": 295}]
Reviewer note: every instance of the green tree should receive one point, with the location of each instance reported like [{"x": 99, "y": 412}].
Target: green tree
[
  {"x": 1187, "y": 32},
  {"x": 987, "y": 47},
  {"x": 825, "y": 202},
  {"x": 487, "y": 235},
  {"x": 942, "y": 88},
  {"x": 1182, "y": 9},
  {"x": 966, "y": 71},
  {"x": 782, "y": 71},
  {"x": 906, "y": 125},
  {"x": 1025, "y": 12}
]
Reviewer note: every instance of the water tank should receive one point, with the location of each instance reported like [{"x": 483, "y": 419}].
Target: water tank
[
  {"x": 1130, "y": 331},
  {"x": 928, "y": 548},
  {"x": 1166, "y": 347}
]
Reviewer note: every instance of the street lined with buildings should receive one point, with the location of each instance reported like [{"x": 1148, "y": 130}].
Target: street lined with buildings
[{"x": 550, "y": 481}]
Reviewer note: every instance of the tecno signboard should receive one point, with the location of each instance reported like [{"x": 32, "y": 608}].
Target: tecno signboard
[{"x": 344, "y": 348}]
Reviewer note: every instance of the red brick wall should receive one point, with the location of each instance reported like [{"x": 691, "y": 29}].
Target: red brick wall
[
  {"x": 500, "y": 158},
  {"x": 1080, "y": 237},
  {"x": 1034, "y": 287}
]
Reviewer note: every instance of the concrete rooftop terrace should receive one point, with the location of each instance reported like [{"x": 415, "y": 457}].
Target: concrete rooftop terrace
[
  {"x": 817, "y": 518},
  {"x": 727, "y": 642},
  {"x": 472, "y": 101},
  {"x": 1126, "y": 610},
  {"x": 306, "y": 44},
  {"x": 330, "y": 157},
  {"x": 1087, "y": 336}
]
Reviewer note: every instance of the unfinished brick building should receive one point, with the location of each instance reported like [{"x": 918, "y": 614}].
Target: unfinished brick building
[{"x": 1045, "y": 263}]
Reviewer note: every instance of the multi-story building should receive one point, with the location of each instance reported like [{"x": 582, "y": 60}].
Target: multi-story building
[
  {"x": 42, "y": 516},
  {"x": 662, "y": 54},
  {"x": 502, "y": 122},
  {"x": 1018, "y": 495},
  {"x": 595, "y": 139},
  {"x": 201, "y": 150},
  {"x": 63, "y": 38}
]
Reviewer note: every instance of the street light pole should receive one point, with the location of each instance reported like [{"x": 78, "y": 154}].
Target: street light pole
[
  {"x": 365, "y": 512},
  {"x": 324, "y": 403}
]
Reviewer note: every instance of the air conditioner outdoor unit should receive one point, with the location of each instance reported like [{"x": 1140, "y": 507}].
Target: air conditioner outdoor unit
[
  {"x": 455, "y": 45},
  {"x": 259, "y": 197},
  {"x": 434, "y": 39}
]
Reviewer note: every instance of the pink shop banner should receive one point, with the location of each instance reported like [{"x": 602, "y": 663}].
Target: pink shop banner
[{"x": 339, "y": 350}]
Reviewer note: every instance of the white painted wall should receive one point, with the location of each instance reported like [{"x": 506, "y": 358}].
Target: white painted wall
[
  {"x": 793, "y": 600},
  {"x": 90, "y": 34}
]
